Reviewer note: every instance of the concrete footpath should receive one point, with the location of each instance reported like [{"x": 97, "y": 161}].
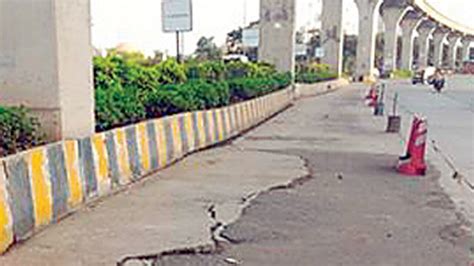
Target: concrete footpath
[
  {"x": 317, "y": 185},
  {"x": 353, "y": 208}
]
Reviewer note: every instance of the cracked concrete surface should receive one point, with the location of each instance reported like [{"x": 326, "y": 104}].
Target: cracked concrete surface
[
  {"x": 355, "y": 210},
  {"x": 167, "y": 211}
]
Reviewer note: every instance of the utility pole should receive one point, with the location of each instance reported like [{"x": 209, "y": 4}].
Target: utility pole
[{"x": 178, "y": 58}]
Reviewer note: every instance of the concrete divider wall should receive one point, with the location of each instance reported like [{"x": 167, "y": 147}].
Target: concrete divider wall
[
  {"x": 307, "y": 90},
  {"x": 40, "y": 186}
]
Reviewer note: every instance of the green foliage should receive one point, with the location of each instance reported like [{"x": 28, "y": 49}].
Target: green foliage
[
  {"x": 19, "y": 130},
  {"x": 212, "y": 70},
  {"x": 314, "y": 73},
  {"x": 129, "y": 90},
  {"x": 207, "y": 49},
  {"x": 239, "y": 69},
  {"x": 170, "y": 72},
  {"x": 248, "y": 88},
  {"x": 191, "y": 96},
  {"x": 116, "y": 106},
  {"x": 402, "y": 74}
]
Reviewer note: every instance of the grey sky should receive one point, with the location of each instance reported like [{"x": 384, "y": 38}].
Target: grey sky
[{"x": 139, "y": 21}]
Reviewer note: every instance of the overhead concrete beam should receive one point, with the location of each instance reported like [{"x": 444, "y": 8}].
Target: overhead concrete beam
[
  {"x": 366, "y": 39},
  {"x": 395, "y": 3},
  {"x": 453, "y": 42},
  {"x": 439, "y": 36},
  {"x": 466, "y": 42},
  {"x": 425, "y": 29},
  {"x": 391, "y": 13},
  {"x": 332, "y": 39},
  {"x": 409, "y": 23},
  {"x": 277, "y": 33},
  {"x": 426, "y": 7},
  {"x": 46, "y": 63}
]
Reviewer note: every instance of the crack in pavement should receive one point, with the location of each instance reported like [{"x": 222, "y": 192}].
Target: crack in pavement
[{"x": 217, "y": 227}]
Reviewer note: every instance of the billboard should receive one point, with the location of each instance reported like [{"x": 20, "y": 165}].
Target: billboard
[
  {"x": 319, "y": 52},
  {"x": 177, "y": 15},
  {"x": 250, "y": 37},
  {"x": 300, "y": 49}
]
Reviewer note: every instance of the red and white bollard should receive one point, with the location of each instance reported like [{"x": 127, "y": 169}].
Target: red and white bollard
[
  {"x": 373, "y": 96},
  {"x": 413, "y": 163}
]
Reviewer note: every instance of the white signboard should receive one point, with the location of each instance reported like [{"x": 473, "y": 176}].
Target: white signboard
[
  {"x": 319, "y": 52},
  {"x": 300, "y": 49},
  {"x": 250, "y": 37},
  {"x": 177, "y": 15}
]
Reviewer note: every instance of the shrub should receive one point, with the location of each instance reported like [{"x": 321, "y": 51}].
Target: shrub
[
  {"x": 19, "y": 130},
  {"x": 248, "y": 88},
  {"x": 191, "y": 96},
  {"x": 116, "y": 106},
  {"x": 170, "y": 72},
  {"x": 314, "y": 73},
  {"x": 115, "y": 70},
  {"x": 130, "y": 89},
  {"x": 212, "y": 70},
  {"x": 239, "y": 69},
  {"x": 402, "y": 74},
  {"x": 106, "y": 72}
]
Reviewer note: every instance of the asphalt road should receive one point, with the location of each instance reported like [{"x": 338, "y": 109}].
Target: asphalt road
[
  {"x": 351, "y": 209},
  {"x": 450, "y": 117}
]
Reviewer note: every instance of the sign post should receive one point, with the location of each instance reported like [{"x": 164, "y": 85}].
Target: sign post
[
  {"x": 178, "y": 57},
  {"x": 177, "y": 16}
]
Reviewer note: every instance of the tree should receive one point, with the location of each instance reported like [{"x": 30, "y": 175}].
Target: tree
[
  {"x": 350, "y": 52},
  {"x": 300, "y": 36},
  {"x": 234, "y": 41},
  {"x": 379, "y": 47},
  {"x": 207, "y": 49}
]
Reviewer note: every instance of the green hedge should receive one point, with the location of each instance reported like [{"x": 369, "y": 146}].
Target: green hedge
[
  {"x": 248, "y": 88},
  {"x": 314, "y": 73},
  {"x": 19, "y": 130},
  {"x": 402, "y": 74},
  {"x": 128, "y": 91},
  {"x": 187, "y": 97}
]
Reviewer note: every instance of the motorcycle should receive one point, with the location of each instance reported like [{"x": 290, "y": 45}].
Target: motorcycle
[
  {"x": 438, "y": 81},
  {"x": 438, "y": 84}
]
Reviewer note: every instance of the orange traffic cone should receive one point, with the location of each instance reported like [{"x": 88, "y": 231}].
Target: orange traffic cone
[{"x": 413, "y": 163}]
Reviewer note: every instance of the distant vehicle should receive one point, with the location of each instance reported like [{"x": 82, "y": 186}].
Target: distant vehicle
[
  {"x": 235, "y": 58},
  {"x": 424, "y": 76},
  {"x": 438, "y": 80}
]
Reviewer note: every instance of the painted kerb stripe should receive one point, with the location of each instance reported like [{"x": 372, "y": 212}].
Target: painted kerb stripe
[
  {"x": 59, "y": 182},
  {"x": 41, "y": 187},
  {"x": 74, "y": 178},
  {"x": 6, "y": 221}
]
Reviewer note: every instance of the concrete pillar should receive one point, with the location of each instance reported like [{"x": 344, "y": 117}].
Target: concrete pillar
[
  {"x": 466, "y": 42},
  {"x": 439, "y": 35},
  {"x": 332, "y": 39},
  {"x": 366, "y": 38},
  {"x": 425, "y": 29},
  {"x": 277, "y": 33},
  {"x": 391, "y": 16},
  {"x": 453, "y": 41},
  {"x": 45, "y": 63},
  {"x": 409, "y": 23}
]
